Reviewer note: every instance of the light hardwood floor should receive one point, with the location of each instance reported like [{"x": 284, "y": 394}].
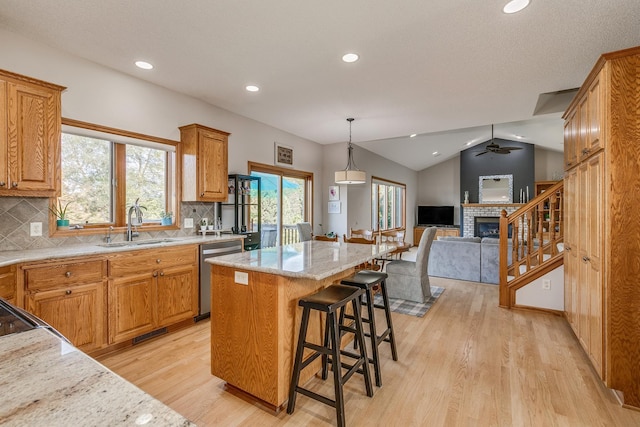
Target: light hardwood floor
[{"x": 466, "y": 363}]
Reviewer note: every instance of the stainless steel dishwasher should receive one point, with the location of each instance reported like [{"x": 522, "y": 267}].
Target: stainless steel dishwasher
[{"x": 209, "y": 250}]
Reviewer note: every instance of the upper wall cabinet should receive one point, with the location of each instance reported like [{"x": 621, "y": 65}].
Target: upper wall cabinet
[
  {"x": 29, "y": 136},
  {"x": 204, "y": 163}
]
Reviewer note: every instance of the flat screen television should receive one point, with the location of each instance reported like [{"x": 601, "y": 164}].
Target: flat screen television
[{"x": 435, "y": 215}]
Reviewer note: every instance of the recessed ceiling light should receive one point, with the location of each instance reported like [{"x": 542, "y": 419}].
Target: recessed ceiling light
[
  {"x": 252, "y": 88},
  {"x": 413, "y": 135},
  {"x": 469, "y": 143},
  {"x": 519, "y": 136},
  {"x": 435, "y": 154},
  {"x": 144, "y": 65},
  {"x": 350, "y": 57},
  {"x": 515, "y": 6}
]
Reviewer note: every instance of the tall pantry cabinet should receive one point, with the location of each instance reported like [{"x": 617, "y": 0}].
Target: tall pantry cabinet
[{"x": 602, "y": 207}]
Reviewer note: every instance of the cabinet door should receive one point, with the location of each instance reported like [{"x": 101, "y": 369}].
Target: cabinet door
[
  {"x": 583, "y": 267},
  {"x": 570, "y": 137},
  {"x": 33, "y": 132},
  {"x": 76, "y": 312},
  {"x": 571, "y": 236},
  {"x": 177, "y": 295},
  {"x": 594, "y": 141},
  {"x": 130, "y": 306},
  {"x": 594, "y": 238},
  {"x": 8, "y": 283},
  {"x": 212, "y": 166}
]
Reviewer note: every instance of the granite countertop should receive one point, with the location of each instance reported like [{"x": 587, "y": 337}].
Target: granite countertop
[
  {"x": 314, "y": 259},
  {"x": 84, "y": 249},
  {"x": 47, "y": 382}
]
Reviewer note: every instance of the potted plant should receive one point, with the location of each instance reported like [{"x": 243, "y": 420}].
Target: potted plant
[
  {"x": 203, "y": 225},
  {"x": 60, "y": 212},
  {"x": 166, "y": 218}
]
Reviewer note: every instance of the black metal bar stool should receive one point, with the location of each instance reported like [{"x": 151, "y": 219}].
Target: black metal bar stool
[
  {"x": 330, "y": 300},
  {"x": 367, "y": 280}
]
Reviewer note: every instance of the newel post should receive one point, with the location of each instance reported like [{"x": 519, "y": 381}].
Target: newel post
[{"x": 505, "y": 300}]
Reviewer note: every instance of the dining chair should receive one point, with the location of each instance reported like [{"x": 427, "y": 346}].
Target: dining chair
[
  {"x": 304, "y": 231},
  {"x": 369, "y": 265},
  {"x": 361, "y": 233}
]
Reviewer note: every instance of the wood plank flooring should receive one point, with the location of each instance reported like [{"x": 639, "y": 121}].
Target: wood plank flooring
[{"x": 466, "y": 363}]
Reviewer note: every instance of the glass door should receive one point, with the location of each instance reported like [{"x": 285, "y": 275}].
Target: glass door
[{"x": 285, "y": 201}]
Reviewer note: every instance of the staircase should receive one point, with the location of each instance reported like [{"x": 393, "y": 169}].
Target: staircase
[{"x": 536, "y": 244}]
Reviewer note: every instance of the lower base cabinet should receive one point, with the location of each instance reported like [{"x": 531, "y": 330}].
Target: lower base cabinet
[
  {"x": 148, "y": 291},
  {"x": 77, "y": 313},
  {"x": 70, "y": 296}
]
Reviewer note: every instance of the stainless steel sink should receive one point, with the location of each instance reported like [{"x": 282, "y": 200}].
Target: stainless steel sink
[{"x": 138, "y": 243}]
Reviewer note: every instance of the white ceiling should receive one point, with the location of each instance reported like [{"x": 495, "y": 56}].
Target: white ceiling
[{"x": 445, "y": 68}]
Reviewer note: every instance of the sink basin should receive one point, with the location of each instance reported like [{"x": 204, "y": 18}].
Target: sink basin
[{"x": 137, "y": 243}]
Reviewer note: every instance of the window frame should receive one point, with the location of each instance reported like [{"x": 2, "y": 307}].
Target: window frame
[
  {"x": 119, "y": 224},
  {"x": 375, "y": 183}
]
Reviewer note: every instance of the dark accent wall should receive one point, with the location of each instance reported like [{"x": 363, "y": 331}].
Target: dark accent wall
[{"x": 519, "y": 163}]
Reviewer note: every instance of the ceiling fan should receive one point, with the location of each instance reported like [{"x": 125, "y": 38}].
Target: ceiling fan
[{"x": 495, "y": 148}]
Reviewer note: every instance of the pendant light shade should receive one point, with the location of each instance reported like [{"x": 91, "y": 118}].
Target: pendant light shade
[{"x": 351, "y": 174}]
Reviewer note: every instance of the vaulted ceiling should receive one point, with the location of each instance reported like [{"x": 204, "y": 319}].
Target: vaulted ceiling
[{"x": 442, "y": 69}]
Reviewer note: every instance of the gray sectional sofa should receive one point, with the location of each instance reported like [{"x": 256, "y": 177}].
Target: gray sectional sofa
[{"x": 466, "y": 258}]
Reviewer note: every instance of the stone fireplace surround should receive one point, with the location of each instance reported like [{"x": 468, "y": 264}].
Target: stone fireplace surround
[{"x": 472, "y": 210}]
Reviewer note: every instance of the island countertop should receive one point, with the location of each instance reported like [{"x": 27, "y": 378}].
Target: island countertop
[{"x": 314, "y": 259}]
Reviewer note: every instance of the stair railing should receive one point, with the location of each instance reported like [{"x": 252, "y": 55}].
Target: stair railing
[{"x": 533, "y": 236}]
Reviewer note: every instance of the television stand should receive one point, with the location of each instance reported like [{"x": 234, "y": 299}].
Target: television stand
[{"x": 443, "y": 230}]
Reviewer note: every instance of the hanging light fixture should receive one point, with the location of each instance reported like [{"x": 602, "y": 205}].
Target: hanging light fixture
[{"x": 351, "y": 174}]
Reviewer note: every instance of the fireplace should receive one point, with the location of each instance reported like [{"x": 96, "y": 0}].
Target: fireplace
[{"x": 487, "y": 226}]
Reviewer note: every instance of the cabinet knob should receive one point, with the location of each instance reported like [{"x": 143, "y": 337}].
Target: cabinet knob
[
  {"x": 67, "y": 274},
  {"x": 162, "y": 273},
  {"x": 158, "y": 261},
  {"x": 585, "y": 258},
  {"x": 14, "y": 184},
  {"x": 201, "y": 194},
  {"x": 2, "y": 183},
  {"x": 155, "y": 274},
  {"x": 67, "y": 292}
]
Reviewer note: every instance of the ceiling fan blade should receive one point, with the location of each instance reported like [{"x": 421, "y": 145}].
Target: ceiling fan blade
[
  {"x": 480, "y": 154},
  {"x": 502, "y": 151},
  {"x": 511, "y": 148}
]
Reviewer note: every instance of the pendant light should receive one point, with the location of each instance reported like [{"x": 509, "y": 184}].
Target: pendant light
[{"x": 351, "y": 174}]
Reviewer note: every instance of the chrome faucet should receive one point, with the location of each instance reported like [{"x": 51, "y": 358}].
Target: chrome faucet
[
  {"x": 107, "y": 238},
  {"x": 135, "y": 208}
]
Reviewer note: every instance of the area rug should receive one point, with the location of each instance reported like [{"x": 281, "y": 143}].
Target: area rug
[{"x": 412, "y": 308}]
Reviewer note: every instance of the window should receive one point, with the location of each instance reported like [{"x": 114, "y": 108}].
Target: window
[
  {"x": 387, "y": 204},
  {"x": 104, "y": 171}
]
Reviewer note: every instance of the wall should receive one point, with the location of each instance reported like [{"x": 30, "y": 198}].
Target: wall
[
  {"x": 103, "y": 96},
  {"x": 549, "y": 165},
  {"x": 534, "y": 295},
  {"x": 519, "y": 163},
  {"x": 439, "y": 185},
  {"x": 356, "y": 199}
]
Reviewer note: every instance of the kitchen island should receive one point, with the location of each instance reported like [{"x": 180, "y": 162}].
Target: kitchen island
[{"x": 254, "y": 313}]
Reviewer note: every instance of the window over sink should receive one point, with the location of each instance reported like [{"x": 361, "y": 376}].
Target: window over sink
[{"x": 104, "y": 171}]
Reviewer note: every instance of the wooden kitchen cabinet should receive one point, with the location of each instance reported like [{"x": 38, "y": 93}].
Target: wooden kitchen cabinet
[
  {"x": 204, "y": 163},
  {"x": 30, "y": 126},
  {"x": 70, "y": 296},
  {"x": 149, "y": 290},
  {"x": 602, "y": 296}
]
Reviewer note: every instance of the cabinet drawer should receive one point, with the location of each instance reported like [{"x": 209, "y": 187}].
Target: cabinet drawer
[
  {"x": 152, "y": 259},
  {"x": 62, "y": 275}
]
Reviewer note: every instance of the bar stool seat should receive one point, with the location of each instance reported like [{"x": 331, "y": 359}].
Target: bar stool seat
[
  {"x": 367, "y": 281},
  {"x": 330, "y": 301}
]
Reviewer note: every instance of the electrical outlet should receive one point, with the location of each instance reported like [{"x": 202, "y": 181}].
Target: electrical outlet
[
  {"x": 35, "y": 229},
  {"x": 546, "y": 284},
  {"x": 241, "y": 278},
  {"x": 188, "y": 223}
]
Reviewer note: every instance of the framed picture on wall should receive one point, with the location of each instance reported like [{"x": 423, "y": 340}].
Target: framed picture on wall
[
  {"x": 283, "y": 155},
  {"x": 334, "y": 192},
  {"x": 334, "y": 207}
]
